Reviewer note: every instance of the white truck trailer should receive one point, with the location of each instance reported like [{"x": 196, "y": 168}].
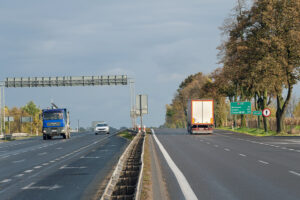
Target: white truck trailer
[{"x": 200, "y": 116}]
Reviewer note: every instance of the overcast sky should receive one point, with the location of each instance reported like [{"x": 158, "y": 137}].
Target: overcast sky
[{"x": 158, "y": 43}]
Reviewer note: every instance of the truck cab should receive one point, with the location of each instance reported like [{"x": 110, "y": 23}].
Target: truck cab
[{"x": 56, "y": 122}]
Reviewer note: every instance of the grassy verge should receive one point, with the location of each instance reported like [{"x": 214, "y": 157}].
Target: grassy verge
[
  {"x": 127, "y": 135},
  {"x": 147, "y": 182},
  {"x": 250, "y": 131}
]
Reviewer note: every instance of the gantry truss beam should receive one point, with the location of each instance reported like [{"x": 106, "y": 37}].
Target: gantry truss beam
[{"x": 65, "y": 81}]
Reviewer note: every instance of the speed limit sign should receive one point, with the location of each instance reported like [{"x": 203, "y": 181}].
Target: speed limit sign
[{"x": 266, "y": 112}]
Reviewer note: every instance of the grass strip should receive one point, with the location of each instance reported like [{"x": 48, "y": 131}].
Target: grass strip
[
  {"x": 127, "y": 135},
  {"x": 147, "y": 180},
  {"x": 251, "y": 131}
]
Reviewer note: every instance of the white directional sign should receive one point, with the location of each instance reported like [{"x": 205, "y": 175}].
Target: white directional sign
[
  {"x": 9, "y": 119},
  {"x": 266, "y": 112},
  {"x": 141, "y": 104}
]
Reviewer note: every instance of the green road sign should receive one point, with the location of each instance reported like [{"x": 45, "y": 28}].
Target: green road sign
[
  {"x": 258, "y": 113},
  {"x": 237, "y": 108}
]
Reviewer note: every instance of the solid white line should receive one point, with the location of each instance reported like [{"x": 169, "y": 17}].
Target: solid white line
[
  {"x": 183, "y": 183},
  {"x": 295, "y": 173},
  {"x": 263, "y": 162},
  {"x": 242, "y": 155}
]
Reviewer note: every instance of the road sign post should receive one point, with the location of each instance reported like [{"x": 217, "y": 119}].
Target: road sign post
[
  {"x": 25, "y": 120},
  {"x": 9, "y": 119},
  {"x": 141, "y": 106}
]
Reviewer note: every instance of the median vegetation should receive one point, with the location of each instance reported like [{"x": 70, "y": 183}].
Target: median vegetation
[
  {"x": 260, "y": 63},
  {"x": 126, "y": 134}
]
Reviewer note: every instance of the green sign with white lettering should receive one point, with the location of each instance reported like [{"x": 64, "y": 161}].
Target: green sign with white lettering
[
  {"x": 257, "y": 112},
  {"x": 238, "y": 108}
]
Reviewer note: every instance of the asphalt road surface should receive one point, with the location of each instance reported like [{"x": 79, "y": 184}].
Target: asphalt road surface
[
  {"x": 228, "y": 165},
  {"x": 58, "y": 169}
]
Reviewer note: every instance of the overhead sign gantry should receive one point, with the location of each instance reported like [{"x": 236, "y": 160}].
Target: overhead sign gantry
[
  {"x": 65, "y": 81},
  {"x": 58, "y": 81}
]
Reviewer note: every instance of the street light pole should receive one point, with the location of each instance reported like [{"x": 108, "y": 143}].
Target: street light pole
[
  {"x": 3, "y": 97},
  {"x": 141, "y": 114}
]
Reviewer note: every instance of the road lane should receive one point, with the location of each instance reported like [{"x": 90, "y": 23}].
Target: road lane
[
  {"x": 58, "y": 169},
  {"x": 233, "y": 167}
]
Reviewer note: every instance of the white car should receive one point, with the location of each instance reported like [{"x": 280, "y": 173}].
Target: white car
[{"x": 101, "y": 128}]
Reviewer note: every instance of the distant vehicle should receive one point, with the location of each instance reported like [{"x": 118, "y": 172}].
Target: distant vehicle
[
  {"x": 56, "y": 122},
  {"x": 200, "y": 116},
  {"x": 102, "y": 127}
]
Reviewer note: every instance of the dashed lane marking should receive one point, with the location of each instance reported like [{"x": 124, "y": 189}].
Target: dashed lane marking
[
  {"x": 227, "y": 149},
  {"x": 263, "y": 162},
  {"x": 19, "y": 161},
  {"x": 19, "y": 175},
  {"x": 5, "y": 180},
  {"x": 295, "y": 173},
  {"x": 243, "y": 155},
  {"x": 28, "y": 171}
]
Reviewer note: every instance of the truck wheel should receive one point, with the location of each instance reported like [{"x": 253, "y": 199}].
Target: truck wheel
[
  {"x": 96, "y": 133},
  {"x": 44, "y": 137},
  {"x": 49, "y": 137},
  {"x": 64, "y": 136}
]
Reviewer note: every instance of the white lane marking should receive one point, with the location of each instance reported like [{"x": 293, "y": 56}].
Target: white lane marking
[
  {"x": 31, "y": 187},
  {"x": 207, "y": 142},
  {"x": 37, "y": 167},
  {"x": 19, "y": 175},
  {"x": 18, "y": 161},
  {"x": 59, "y": 148},
  {"x": 52, "y": 161},
  {"x": 263, "y": 162},
  {"x": 227, "y": 149},
  {"x": 66, "y": 167},
  {"x": 28, "y": 171},
  {"x": 5, "y": 180},
  {"x": 5, "y": 157},
  {"x": 44, "y": 153},
  {"x": 242, "y": 155},
  {"x": 182, "y": 181},
  {"x": 291, "y": 149},
  {"x": 216, "y": 146},
  {"x": 96, "y": 157},
  {"x": 46, "y": 164},
  {"x": 295, "y": 173}
]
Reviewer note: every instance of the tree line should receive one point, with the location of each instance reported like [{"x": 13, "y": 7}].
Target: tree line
[
  {"x": 29, "y": 110},
  {"x": 260, "y": 59}
]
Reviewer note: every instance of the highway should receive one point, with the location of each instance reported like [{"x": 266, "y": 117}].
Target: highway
[
  {"x": 228, "y": 165},
  {"x": 76, "y": 168}
]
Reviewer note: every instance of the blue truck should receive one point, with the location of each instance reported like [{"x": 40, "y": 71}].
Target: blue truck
[{"x": 56, "y": 122}]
